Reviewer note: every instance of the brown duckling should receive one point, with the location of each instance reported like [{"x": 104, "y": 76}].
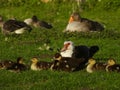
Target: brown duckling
[
  {"x": 112, "y": 66},
  {"x": 67, "y": 63},
  {"x": 39, "y": 65},
  {"x": 94, "y": 66},
  {"x": 4, "y": 64},
  {"x": 18, "y": 66},
  {"x": 7, "y": 63}
]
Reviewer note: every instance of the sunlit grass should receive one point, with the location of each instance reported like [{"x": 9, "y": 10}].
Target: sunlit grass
[{"x": 28, "y": 44}]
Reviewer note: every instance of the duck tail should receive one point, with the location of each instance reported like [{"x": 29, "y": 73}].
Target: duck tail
[{"x": 93, "y": 50}]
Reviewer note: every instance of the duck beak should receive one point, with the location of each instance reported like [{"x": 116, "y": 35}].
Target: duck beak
[
  {"x": 71, "y": 19},
  {"x": 64, "y": 48}
]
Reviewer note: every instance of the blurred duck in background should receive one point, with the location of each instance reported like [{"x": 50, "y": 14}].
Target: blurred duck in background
[
  {"x": 34, "y": 21},
  {"x": 13, "y": 26},
  {"x": 79, "y": 24}
]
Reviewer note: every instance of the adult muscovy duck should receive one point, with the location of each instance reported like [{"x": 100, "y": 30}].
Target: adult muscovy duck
[{"x": 81, "y": 51}]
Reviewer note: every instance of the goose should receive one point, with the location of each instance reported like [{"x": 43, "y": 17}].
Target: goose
[
  {"x": 18, "y": 66},
  {"x": 67, "y": 63},
  {"x": 112, "y": 66},
  {"x": 94, "y": 66},
  {"x": 15, "y": 27},
  {"x": 78, "y": 24},
  {"x": 81, "y": 51},
  {"x": 34, "y": 21},
  {"x": 39, "y": 65}
]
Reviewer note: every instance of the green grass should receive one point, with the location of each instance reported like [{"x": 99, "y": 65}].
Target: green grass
[{"x": 58, "y": 14}]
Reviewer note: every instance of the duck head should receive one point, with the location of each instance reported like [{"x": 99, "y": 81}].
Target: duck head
[
  {"x": 67, "y": 49},
  {"x": 74, "y": 17},
  {"x": 34, "y": 18}
]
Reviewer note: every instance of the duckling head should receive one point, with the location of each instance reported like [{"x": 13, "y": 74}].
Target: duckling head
[
  {"x": 20, "y": 60},
  {"x": 34, "y": 60},
  {"x": 57, "y": 56},
  {"x": 91, "y": 61},
  {"x": 111, "y": 62}
]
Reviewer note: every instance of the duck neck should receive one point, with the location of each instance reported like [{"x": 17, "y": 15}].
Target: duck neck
[
  {"x": 33, "y": 66},
  {"x": 107, "y": 68},
  {"x": 89, "y": 68},
  {"x": 68, "y": 52}
]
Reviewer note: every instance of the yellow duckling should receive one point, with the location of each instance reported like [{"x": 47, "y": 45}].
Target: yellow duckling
[
  {"x": 93, "y": 66},
  {"x": 39, "y": 65},
  {"x": 112, "y": 66}
]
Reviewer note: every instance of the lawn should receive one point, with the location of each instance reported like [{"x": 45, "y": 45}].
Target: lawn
[{"x": 57, "y": 13}]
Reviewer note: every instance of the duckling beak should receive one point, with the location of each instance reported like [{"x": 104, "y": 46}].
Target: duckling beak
[{"x": 71, "y": 19}]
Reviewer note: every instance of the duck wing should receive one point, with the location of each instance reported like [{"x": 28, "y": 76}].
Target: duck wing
[
  {"x": 12, "y": 25},
  {"x": 94, "y": 26},
  {"x": 81, "y": 52},
  {"x": 45, "y": 24},
  {"x": 93, "y": 50}
]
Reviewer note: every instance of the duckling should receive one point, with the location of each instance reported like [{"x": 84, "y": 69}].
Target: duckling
[
  {"x": 7, "y": 63},
  {"x": 18, "y": 66},
  {"x": 112, "y": 66},
  {"x": 93, "y": 66},
  {"x": 39, "y": 65},
  {"x": 15, "y": 27},
  {"x": 68, "y": 63},
  {"x": 37, "y": 23}
]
